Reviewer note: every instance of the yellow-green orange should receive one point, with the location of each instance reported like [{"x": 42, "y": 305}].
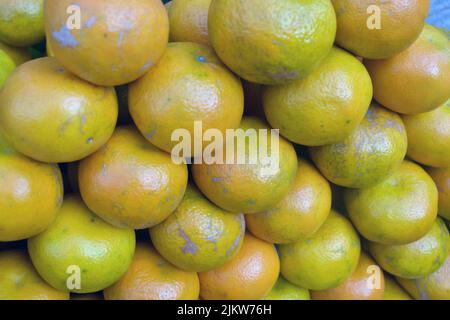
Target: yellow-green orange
[
  {"x": 18, "y": 55},
  {"x": 326, "y": 106},
  {"x": 441, "y": 177},
  {"x": 271, "y": 41},
  {"x": 284, "y": 290},
  {"x": 392, "y": 291},
  {"x": 100, "y": 252},
  {"x": 7, "y": 66}
]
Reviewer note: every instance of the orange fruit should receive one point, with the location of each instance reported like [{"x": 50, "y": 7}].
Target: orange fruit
[
  {"x": 309, "y": 115},
  {"x": 399, "y": 210},
  {"x": 417, "y": 259},
  {"x": 442, "y": 179},
  {"x": 80, "y": 252},
  {"x": 7, "y": 67},
  {"x": 250, "y": 275},
  {"x": 429, "y": 136},
  {"x": 232, "y": 186},
  {"x": 116, "y": 42},
  {"x": 198, "y": 236},
  {"x": 416, "y": 80},
  {"x": 299, "y": 214},
  {"x": 270, "y": 41},
  {"x": 150, "y": 277},
  {"x": 284, "y": 290},
  {"x": 392, "y": 291},
  {"x": 189, "y": 21},
  {"x": 20, "y": 281},
  {"x": 400, "y": 24},
  {"x": 370, "y": 154},
  {"x": 131, "y": 183},
  {"x": 188, "y": 84},
  {"x": 51, "y": 115},
  {"x": 17, "y": 55},
  {"x": 361, "y": 285},
  {"x": 324, "y": 260},
  {"x": 30, "y": 194}
]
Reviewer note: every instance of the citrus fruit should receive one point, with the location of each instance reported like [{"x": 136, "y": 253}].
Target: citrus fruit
[
  {"x": 250, "y": 275},
  {"x": 116, "y": 41},
  {"x": 7, "y": 66},
  {"x": 372, "y": 152},
  {"x": 379, "y": 29},
  {"x": 30, "y": 194},
  {"x": 50, "y": 115},
  {"x": 21, "y": 22},
  {"x": 151, "y": 277},
  {"x": 284, "y": 290},
  {"x": 131, "y": 183},
  {"x": 392, "y": 291},
  {"x": 324, "y": 260},
  {"x": 429, "y": 136},
  {"x": 188, "y": 84},
  {"x": 189, "y": 21},
  {"x": 17, "y": 55},
  {"x": 363, "y": 284},
  {"x": 399, "y": 210},
  {"x": 416, "y": 259},
  {"x": 271, "y": 41},
  {"x": 416, "y": 80},
  {"x": 198, "y": 236},
  {"x": 80, "y": 246},
  {"x": 308, "y": 114},
  {"x": 442, "y": 179},
  {"x": 20, "y": 281},
  {"x": 249, "y": 186},
  {"x": 299, "y": 214}
]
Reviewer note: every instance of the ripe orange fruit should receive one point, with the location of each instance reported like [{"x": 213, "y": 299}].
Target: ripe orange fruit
[
  {"x": 131, "y": 183},
  {"x": 299, "y": 214},
  {"x": 361, "y": 285},
  {"x": 198, "y": 236},
  {"x": 399, "y": 210},
  {"x": 269, "y": 41},
  {"x": 116, "y": 42},
  {"x": 309, "y": 115},
  {"x": 416, "y": 80},
  {"x": 441, "y": 178},
  {"x": 324, "y": 260},
  {"x": 30, "y": 194},
  {"x": 250, "y": 275},
  {"x": 189, "y": 84},
  {"x": 284, "y": 290},
  {"x": 400, "y": 24},
  {"x": 392, "y": 291},
  {"x": 370, "y": 154},
  {"x": 81, "y": 245},
  {"x": 150, "y": 277},
  {"x": 7, "y": 66},
  {"x": 52, "y": 116},
  {"x": 233, "y": 186},
  {"x": 429, "y": 136}
]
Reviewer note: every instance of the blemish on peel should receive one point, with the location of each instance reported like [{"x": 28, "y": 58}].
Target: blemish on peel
[
  {"x": 189, "y": 246},
  {"x": 65, "y": 38},
  {"x": 90, "y": 140},
  {"x": 147, "y": 66},
  {"x": 90, "y": 23},
  {"x": 216, "y": 179},
  {"x": 121, "y": 37},
  {"x": 201, "y": 59},
  {"x": 151, "y": 134}
]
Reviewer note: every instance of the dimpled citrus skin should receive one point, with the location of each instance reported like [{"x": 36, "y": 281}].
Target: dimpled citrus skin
[
  {"x": 392, "y": 291},
  {"x": 188, "y": 84},
  {"x": 18, "y": 55},
  {"x": 20, "y": 281},
  {"x": 326, "y": 106},
  {"x": 324, "y": 260},
  {"x": 52, "y": 116},
  {"x": 198, "y": 236},
  {"x": 301, "y": 212},
  {"x": 271, "y": 41},
  {"x": 400, "y": 24},
  {"x": 416, "y": 80},
  {"x": 117, "y": 42},
  {"x": 441, "y": 178},
  {"x": 284, "y": 290},
  {"x": 435, "y": 286},
  {"x": 429, "y": 136},
  {"x": 189, "y": 21},
  {"x": 130, "y": 183},
  {"x": 30, "y": 194},
  {"x": 250, "y": 275},
  {"x": 7, "y": 66},
  {"x": 356, "y": 287},
  {"x": 372, "y": 152},
  {"x": 249, "y": 187},
  {"x": 417, "y": 259},
  {"x": 151, "y": 277},
  {"x": 79, "y": 238},
  {"x": 21, "y": 22},
  {"x": 399, "y": 210}
]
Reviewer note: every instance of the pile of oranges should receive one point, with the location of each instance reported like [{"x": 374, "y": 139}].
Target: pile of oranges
[{"x": 93, "y": 204}]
